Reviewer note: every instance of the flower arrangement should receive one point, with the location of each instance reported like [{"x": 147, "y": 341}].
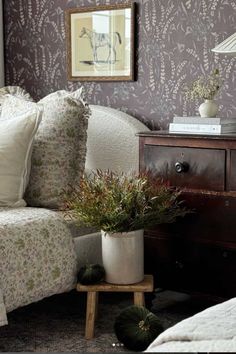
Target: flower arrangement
[
  {"x": 115, "y": 202},
  {"x": 205, "y": 87}
]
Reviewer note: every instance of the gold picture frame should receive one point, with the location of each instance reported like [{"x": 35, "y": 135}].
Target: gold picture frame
[{"x": 100, "y": 43}]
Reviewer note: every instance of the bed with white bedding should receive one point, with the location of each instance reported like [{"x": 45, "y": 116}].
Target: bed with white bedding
[
  {"x": 41, "y": 257},
  {"x": 40, "y": 248},
  {"x": 212, "y": 330}
]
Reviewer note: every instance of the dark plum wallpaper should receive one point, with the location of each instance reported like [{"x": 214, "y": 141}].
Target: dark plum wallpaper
[{"x": 174, "y": 40}]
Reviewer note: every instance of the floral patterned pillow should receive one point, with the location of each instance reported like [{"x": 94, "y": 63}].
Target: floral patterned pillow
[{"x": 59, "y": 149}]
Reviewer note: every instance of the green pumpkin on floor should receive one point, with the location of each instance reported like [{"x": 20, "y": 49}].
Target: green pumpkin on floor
[
  {"x": 136, "y": 327},
  {"x": 91, "y": 274}
]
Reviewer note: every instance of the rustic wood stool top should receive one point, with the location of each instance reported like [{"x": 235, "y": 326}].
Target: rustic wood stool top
[{"x": 92, "y": 297}]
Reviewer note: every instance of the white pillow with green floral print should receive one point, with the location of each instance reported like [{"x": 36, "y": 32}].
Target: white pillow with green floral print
[{"x": 59, "y": 150}]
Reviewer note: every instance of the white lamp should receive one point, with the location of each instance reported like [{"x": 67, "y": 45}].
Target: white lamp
[{"x": 228, "y": 46}]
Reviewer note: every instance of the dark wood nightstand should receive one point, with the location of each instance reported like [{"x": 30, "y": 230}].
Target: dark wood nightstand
[{"x": 198, "y": 253}]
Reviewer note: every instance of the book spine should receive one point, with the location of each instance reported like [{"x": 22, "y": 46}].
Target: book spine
[
  {"x": 196, "y": 120},
  {"x": 195, "y": 128}
]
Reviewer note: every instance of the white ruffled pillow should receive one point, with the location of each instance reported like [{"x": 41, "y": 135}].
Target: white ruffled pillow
[
  {"x": 16, "y": 91},
  {"x": 16, "y": 140}
]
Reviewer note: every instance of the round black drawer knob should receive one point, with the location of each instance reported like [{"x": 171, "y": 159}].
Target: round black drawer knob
[
  {"x": 181, "y": 167},
  {"x": 179, "y": 265}
]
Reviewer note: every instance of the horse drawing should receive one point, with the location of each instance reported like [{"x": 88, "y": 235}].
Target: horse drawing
[{"x": 98, "y": 40}]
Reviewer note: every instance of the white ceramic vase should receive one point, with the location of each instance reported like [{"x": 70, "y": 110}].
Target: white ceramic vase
[
  {"x": 123, "y": 257},
  {"x": 208, "y": 109}
]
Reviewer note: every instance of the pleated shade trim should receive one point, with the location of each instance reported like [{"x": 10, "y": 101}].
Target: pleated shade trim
[{"x": 228, "y": 46}]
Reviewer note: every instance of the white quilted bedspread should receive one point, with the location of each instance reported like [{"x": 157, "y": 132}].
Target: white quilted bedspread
[
  {"x": 37, "y": 257},
  {"x": 212, "y": 330}
]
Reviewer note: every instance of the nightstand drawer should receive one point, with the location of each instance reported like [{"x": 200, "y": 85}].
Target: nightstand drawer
[
  {"x": 187, "y": 167},
  {"x": 185, "y": 265}
]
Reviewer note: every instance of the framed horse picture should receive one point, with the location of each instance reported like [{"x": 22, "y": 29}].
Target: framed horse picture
[{"x": 100, "y": 43}]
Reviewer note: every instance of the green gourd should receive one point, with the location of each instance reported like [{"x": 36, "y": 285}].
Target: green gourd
[
  {"x": 91, "y": 274},
  {"x": 136, "y": 327}
]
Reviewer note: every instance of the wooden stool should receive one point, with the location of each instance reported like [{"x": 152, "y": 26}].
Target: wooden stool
[{"x": 92, "y": 297}]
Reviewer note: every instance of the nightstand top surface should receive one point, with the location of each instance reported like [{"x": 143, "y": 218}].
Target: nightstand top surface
[{"x": 167, "y": 134}]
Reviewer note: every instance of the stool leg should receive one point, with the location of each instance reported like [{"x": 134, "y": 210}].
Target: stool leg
[
  {"x": 90, "y": 314},
  {"x": 96, "y": 308},
  {"x": 139, "y": 299}
]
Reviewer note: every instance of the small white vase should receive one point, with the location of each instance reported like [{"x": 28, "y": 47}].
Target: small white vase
[
  {"x": 208, "y": 109},
  {"x": 123, "y": 257}
]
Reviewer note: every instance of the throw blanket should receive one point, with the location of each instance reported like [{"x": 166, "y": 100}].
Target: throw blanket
[
  {"x": 37, "y": 257},
  {"x": 212, "y": 330},
  {"x": 3, "y": 314}
]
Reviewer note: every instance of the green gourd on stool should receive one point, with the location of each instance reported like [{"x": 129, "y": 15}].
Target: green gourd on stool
[
  {"x": 136, "y": 327},
  {"x": 91, "y": 274}
]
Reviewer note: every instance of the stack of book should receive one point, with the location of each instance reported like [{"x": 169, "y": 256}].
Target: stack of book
[{"x": 198, "y": 125}]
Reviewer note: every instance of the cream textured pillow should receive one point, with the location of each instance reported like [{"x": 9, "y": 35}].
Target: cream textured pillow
[
  {"x": 16, "y": 138},
  {"x": 59, "y": 149}
]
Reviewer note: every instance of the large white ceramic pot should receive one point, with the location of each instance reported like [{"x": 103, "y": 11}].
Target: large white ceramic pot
[
  {"x": 208, "y": 109},
  {"x": 123, "y": 257}
]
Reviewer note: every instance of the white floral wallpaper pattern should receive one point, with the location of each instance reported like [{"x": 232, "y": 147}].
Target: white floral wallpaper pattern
[{"x": 173, "y": 43}]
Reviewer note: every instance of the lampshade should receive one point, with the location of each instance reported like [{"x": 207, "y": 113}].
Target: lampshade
[{"x": 228, "y": 46}]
